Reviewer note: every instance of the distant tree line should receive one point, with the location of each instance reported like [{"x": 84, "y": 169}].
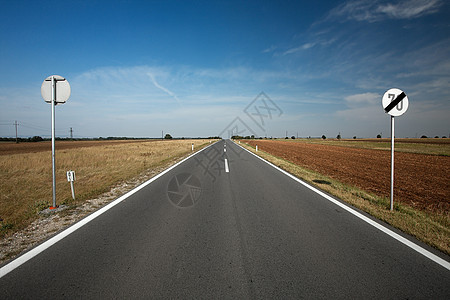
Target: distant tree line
[
  {"x": 23, "y": 140},
  {"x": 110, "y": 138},
  {"x": 167, "y": 136},
  {"x": 238, "y": 137}
]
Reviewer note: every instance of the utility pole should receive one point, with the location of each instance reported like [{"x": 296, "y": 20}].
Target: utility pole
[{"x": 16, "y": 124}]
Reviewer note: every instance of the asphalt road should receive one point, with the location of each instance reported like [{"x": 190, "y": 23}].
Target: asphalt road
[{"x": 252, "y": 232}]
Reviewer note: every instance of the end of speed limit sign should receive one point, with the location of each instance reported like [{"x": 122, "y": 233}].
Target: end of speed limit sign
[{"x": 395, "y": 102}]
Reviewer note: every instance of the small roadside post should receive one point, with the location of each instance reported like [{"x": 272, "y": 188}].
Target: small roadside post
[
  {"x": 71, "y": 179},
  {"x": 395, "y": 103},
  {"x": 55, "y": 90}
]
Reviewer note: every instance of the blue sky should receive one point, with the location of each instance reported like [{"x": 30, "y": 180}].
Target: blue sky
[{"x": 196, "y": 68}]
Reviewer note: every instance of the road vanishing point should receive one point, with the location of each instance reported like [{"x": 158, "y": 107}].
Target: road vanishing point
[{"x": 223, "y": 223}]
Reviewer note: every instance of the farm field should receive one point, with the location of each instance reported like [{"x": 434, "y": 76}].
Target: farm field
[
  {"x": 360, "y": 176},
  {"x": 421, "y": 180},
  {"x": 26, "y": 172},
  {"x": 430, "y": 146},
  {"x": 7, "y": 148}
]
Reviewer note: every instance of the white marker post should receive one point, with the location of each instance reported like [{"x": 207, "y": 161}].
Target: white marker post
[
  {"x": 395, "y": 103},
  {"x": 71, "y": 179},
  {"x": 55, "y": 90}
]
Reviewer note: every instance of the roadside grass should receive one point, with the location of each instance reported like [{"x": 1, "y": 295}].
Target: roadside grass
[
  {"x": 431, "y": 228},
  {"x": 401, "y": 145},
  {"x": 26, "y": 179}
]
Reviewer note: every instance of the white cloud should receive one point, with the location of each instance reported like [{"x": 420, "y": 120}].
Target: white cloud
[
  {"x": 360, "y": 10},
  {"x": 364, "y": 107},
  {"x": 297, "y": 49},
  {"x": 156, "y": 84},
  {"x": 374, "y": 11},
  {"x": 363, "y": 99},
  {"x": 370, "y": 112},
  {"x": 410, "y": 9},
  {"x": 270, "y": 49}
]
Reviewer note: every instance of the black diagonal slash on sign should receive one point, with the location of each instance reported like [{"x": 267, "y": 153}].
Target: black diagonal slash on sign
[{"x": 395, "y": 102}]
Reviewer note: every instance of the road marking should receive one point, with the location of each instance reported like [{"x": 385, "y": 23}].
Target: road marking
[
  {"x": 35, "y": 251},
  {"x": 380, "y": 227},
  {"x": 227, "y": 170}
]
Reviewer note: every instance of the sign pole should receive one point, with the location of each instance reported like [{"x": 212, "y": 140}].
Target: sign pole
[
  {"x": 392, "y": 162},
  {"x": 73, "y": 190},
  {"x": 53, "y": 140},
  {"x": 395, "y": 103},
  {"x": 50, "y": 95}
]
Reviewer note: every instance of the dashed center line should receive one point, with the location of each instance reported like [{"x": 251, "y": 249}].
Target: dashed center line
[{"x": 227, "y": 170}]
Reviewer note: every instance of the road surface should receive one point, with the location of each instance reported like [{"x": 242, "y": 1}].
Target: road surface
[{"x": 225, "y": 224}]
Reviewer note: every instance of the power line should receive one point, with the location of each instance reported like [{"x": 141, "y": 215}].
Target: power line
[{"x": 34, "y": 126}]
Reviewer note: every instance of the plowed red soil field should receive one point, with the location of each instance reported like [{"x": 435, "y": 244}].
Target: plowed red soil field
[{"x": 420, "y": 180}]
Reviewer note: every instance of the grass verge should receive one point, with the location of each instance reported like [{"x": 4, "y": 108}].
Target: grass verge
[{"x": 433, "y": 229}]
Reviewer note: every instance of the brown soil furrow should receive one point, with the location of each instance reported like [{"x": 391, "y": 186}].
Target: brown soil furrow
[{"x": 420, "y": 180}]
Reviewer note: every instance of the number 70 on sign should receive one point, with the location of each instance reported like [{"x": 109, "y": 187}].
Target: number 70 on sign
[{"x": 395, "y": 102}]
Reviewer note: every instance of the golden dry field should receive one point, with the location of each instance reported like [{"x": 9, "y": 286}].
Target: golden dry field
[{"x": 26, "y": 172}]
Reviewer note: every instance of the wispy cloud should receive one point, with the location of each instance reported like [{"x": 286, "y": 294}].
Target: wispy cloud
[
  {"x": 376, "y": 10},
  {"x": 269, "y": 50},
  {"x": 297, "y": 49},
  {"x": 410, "y": 9},
  {"x": 156, "y": 84},
  {"x": 362, "y": 99}
]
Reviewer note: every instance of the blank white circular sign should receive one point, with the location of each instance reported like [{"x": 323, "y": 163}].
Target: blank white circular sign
[{"x": 62, "y": 89}]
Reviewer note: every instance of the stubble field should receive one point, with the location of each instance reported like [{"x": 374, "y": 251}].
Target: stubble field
[{"x": 26, "y": 172}]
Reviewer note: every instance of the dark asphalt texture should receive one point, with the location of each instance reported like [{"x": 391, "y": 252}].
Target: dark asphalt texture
[{"x": 252, "y": 233}]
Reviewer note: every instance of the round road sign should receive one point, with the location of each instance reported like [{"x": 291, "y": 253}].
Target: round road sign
[
  {"x": 395, "y": 102},
  {"x": 62, "y": 89}
]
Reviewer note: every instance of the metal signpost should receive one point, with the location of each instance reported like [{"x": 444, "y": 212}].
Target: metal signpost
[
  {"x": 395, "y": 103},
  {"x": 55, "y": 90}
]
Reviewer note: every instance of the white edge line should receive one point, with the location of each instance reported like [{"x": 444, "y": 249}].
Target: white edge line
[
  {"x": 227, "y": 170},
  {"x": 42, "y": 247},
  {"x": 389, "y": 232}
]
